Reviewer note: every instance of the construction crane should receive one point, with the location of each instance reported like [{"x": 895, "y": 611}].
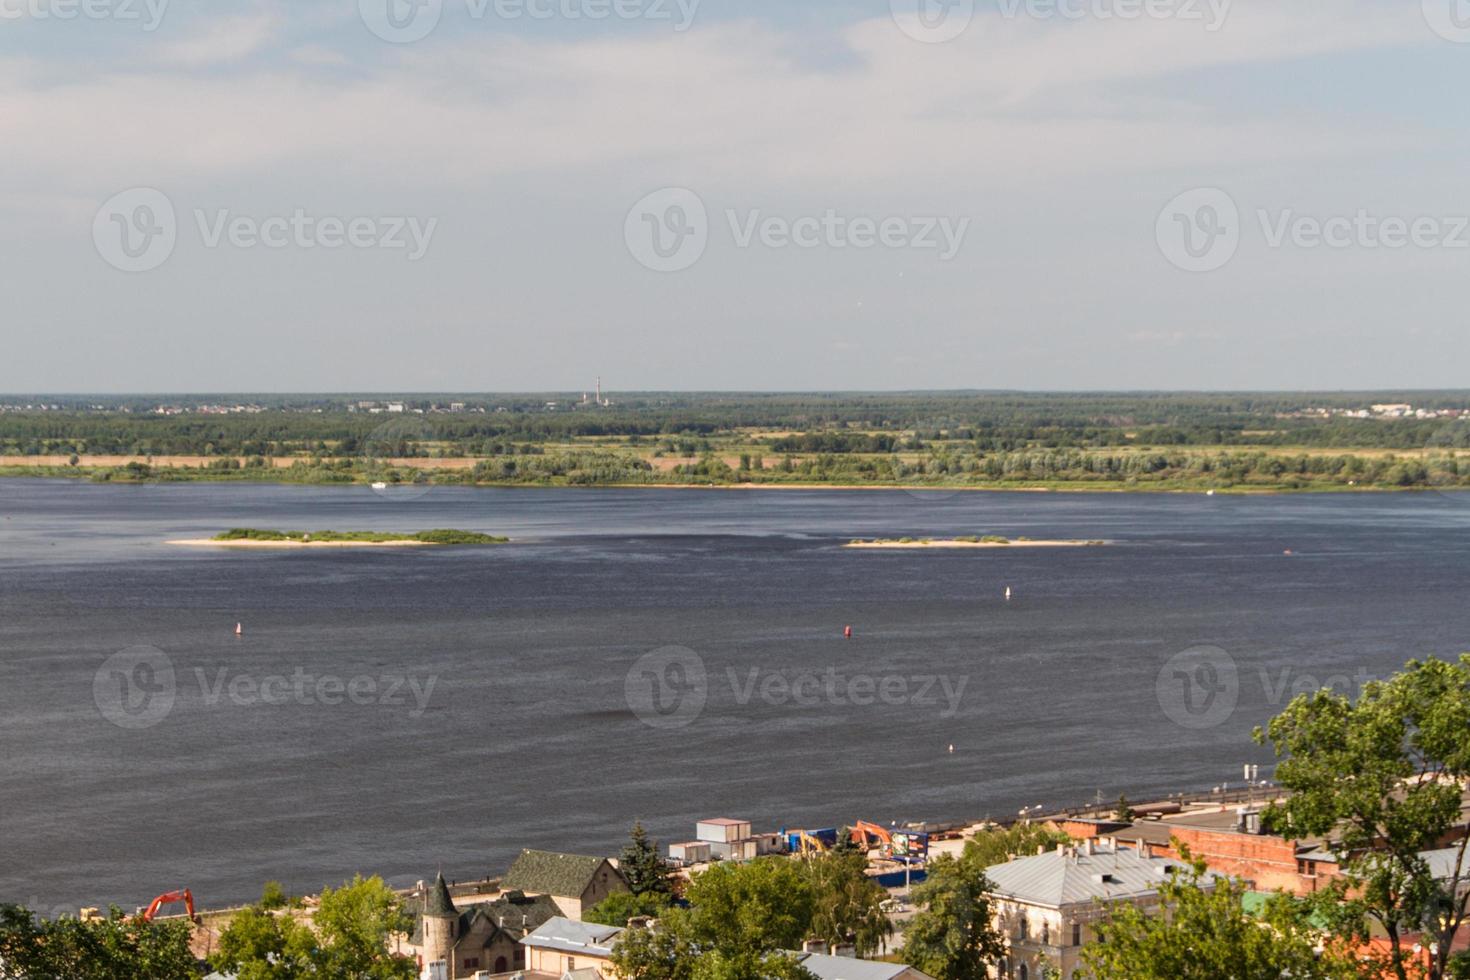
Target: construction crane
[{"x": 169, "y": 898}]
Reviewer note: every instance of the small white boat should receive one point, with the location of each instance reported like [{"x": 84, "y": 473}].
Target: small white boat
[{"x": 380, "y": 486}]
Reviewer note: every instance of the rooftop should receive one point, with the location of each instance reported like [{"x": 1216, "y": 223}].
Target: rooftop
[
  {"x": 550, "y": 873},
  {"x": 570, "y": 936},
  {"x": 1072, "y": 876},
  {"x": 847, "y": 968}
]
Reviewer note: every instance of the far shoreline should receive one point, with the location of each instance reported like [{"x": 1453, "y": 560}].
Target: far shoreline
[{"x": 951, "y": 543}]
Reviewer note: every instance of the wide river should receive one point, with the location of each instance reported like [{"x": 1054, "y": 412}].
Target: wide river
[{"x": 666, "y": 655}]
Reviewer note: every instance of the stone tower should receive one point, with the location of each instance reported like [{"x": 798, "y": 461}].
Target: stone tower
[{"x": 440, "y": 921}]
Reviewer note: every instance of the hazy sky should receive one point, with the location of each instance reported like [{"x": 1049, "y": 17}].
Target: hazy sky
[{"x": 768, "y": 194}]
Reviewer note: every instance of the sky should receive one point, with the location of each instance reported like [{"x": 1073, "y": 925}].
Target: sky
[{"x": 518, "y": 195}]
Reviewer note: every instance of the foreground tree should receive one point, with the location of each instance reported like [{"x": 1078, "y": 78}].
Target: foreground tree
[
  {"x": 1001, "y": 844},
  {"x": 953, "y": 936},
  {"x": 742, "y": 923},
  {"x": 616, "y": 910},
  {"x": 1204, "y": 933},
  {"x": 759, "y": 906},
  {"x": 645, "y": 871},
  {"x": 116, "y": 948},
  {"x": 348, "y": 938},
  {"x": 847, "y": 905},
  {"x": 1383, "y": 778}
]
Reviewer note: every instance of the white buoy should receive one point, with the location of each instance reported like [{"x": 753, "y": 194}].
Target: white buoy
[
  {"x": 951, "y": 748},
  {"x": 1008, "y": 592},
  {"x": 239, "y": 629}
]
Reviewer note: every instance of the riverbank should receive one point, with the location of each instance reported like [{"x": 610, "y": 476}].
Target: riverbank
[
  {"x": 923, "y": 543},
  {"x": 291, "y": 476}
]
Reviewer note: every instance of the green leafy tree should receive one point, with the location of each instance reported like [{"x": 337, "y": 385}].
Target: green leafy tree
[
  {"x": 616, "y": 910},
  {"x": 1382, "y": 777},
  {"x": 115, "y": 948},
  {"x": 1205, "y": 933},
  {"x": 847, "y": 905},
  {"x": 750, "y": 966},
  {"x": 670, "y": 952},
  {"x": 1124, "y": 813},
  {"x": 1001, "y": 844},
  {"x": 645, "y": 871},
  {"x": 259, "y": 944},
  {"x": 347, "y": 940},
  {"x": 846, "y": 845},
  {"x": 273, "y": 896},
  {"x": 759, "y": 906},
  {"x": 664, "y": 953},
  {"x": 953, "y": 937},
  {"x": 354, "y": 923}
]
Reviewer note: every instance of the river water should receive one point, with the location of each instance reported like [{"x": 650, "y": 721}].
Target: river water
[{"x": 666, "y": 655}]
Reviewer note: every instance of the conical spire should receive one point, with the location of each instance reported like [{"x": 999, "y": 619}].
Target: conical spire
[{"x": 438, "y": 903}]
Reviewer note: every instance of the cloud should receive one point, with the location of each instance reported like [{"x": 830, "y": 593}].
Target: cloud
[
  {"x": 227, "y": 40},
  {"x": 730, "y": 104}
]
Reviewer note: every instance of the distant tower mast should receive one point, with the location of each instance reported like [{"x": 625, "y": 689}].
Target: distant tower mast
[{"x": 599, "y": 391}]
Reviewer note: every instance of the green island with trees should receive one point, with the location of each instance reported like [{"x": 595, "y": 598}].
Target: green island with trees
[
  {"x": 1381, "y": 777},
  {"x": 1228, "y": 443}
]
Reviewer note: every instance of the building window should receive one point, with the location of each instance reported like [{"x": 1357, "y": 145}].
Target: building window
[
  {"x": 1023, "y": 973},
  {"x": 1076, "y": 934},
  {"x": 500, "y": 964},
  {"x": 473, "y": 963},
  {"x": 1023, "y": 929}
]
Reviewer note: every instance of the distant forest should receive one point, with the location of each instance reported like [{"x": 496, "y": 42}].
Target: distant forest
[{"x": 1269, "y": 440}]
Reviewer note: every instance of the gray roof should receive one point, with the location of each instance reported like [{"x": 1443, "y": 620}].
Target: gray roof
[
  {"x": 571, "y": 936},
  {"x": 1060, "y": 878},
  {"x": 550, "y": 873},
  {"x": 847, "y": 968},
  {"x": 438, "y": 903},
  {"x": 1442, "y": 863}
]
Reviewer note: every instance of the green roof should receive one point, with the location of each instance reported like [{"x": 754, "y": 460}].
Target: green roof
[{"x": 549, "y": 873}]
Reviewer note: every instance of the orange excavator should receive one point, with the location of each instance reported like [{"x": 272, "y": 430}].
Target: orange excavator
[
  {"x": 169, "y": 898},
  {"x": 864, "y": 833}
]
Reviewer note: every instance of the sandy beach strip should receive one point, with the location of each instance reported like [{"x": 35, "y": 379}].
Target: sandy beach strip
[{"x": 245, "y": 543}]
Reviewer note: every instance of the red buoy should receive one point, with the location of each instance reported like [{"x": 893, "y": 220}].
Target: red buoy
[{"x": 847, "y": 632}]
